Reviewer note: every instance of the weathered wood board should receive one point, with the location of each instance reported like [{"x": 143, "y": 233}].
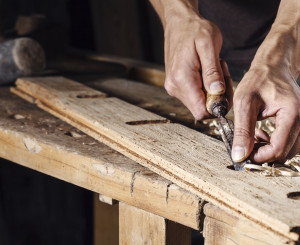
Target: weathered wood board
[
  {"x": 192, "y": 160},
  {"x": 136, "y": 69},
  {"x": 221, "y": 228},
  {"x": 37, "y": 140},
  {"x": 137, "y": 226},
  {"x": 154, "y": 99}
]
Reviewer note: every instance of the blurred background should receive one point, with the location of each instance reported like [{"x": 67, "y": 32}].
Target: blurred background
[{"x": 128, "y": 28}]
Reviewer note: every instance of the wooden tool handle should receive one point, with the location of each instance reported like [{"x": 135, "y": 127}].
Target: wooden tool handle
[{"x": 214, "y": 102}]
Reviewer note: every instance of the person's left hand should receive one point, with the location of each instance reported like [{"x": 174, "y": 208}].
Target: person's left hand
[{"x": 267, "y": 91}]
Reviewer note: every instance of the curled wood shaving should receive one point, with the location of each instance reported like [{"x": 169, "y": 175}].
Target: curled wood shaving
[
  {"x": 294, "y": 163},
  {"x": 19, "y": 116},
  {"x": 267, "y": 125},
  {"x": 272, "y": 171},
  {"x": 291, "y": 167},
  {"x": 76, "y": 135}
]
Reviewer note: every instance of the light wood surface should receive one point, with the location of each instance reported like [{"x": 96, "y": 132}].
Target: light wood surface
[
  {"x": 107, "y": 199},
  {"x": 140, "y": 227},
  {"x": 221, "y": 228},
  {"x": 190, "y": 159},
  {"x": 154, "y": 99},
  {"x": 37, "y": 140}
]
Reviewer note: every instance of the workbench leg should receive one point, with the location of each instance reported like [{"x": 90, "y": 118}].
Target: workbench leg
[
  {"x": 139, "y": 227},
  {"x": 222, "y": 228},
  {"x": 106, "y": 222}
]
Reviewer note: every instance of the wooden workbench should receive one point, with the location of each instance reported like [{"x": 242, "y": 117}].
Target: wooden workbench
[{"x": 148, "y": 207}]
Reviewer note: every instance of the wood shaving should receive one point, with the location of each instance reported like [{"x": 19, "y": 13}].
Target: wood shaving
[
  {"x": 19, "y": 117},
  {"x": 292, "y": 166},
  {"x": 272, "y": 171},
  {"x": 76, "y": 135}
]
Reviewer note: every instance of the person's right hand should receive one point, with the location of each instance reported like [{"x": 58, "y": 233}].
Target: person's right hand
[{"x": 192, "y": 45}]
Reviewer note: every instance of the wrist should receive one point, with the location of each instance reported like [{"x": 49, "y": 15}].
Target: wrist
[
  {"x": 179, "y": 11},
  {"x": 280, "y": 50}
]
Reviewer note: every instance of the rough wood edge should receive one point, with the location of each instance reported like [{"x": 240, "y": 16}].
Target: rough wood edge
[
  {"x": 196, "y": 210},
  {"x": 156, "y": 168}
]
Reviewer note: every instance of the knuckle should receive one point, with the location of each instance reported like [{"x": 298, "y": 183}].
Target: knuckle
[
  {"x": 209, "y": 28},
  {"x": 242, "y": 132},
  {"x": 206, "y": 43},
  {"x": 174, "y": 81},
  {"x": 177, "y": 77},
  {"x": 169, "y": 88},
  {"x": 243, "y": 102},
  {"x": 212, "y": 72},
  {"x": 280, "y": 153},
  {"x": 199, "y": 115}
]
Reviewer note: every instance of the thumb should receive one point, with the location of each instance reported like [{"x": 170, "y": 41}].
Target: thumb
[
  {"x": 212, "y": 74},
  {"x": 245, "y": 115}
]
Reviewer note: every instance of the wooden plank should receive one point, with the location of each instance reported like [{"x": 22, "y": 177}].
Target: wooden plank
[
  {"x": 136, "y": 69},
  {"x": 37, "y": 140},
  {"x": 188, "y": 158},
  {"x": 154, "y": 99},
  {"x": 106, "y": 223},
  {"x": 140, "y": 227},
  {"x": 221, "y": 228}
]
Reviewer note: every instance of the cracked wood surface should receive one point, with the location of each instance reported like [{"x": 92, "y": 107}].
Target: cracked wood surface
[
  {"x": 186, "y": 157},
  {"x": 221, "y": 228},
  {"x": 35, "y": 139}
]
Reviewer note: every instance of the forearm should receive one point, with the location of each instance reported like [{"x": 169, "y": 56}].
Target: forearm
[
  {"x": 281, "y": 47},
  {"x": 168, "y": 9}
]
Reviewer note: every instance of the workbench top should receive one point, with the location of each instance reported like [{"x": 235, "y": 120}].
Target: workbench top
[{"x": 35, "y": 139}]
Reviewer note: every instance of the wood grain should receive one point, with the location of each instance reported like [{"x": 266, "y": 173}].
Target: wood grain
[
  {"x": 154, "y": 99},
  {"x": 190, "y": 159},
  {"x": 140, "y": 227},
  {"x": 221, "y": 228},
  {"x": 45, "y": 144}
]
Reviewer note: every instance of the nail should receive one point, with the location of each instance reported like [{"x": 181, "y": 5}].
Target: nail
[
  {"x": 238, "y": 153},
  {"x": 217, "y": 87}
]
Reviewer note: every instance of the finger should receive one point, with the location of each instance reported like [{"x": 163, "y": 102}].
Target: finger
[
  {"x": 245, "y": 111},
  {"x": 261, "y": 138},
  {"x": 228, "y": 83},
  {"x": 295, "y": 149},
  {"x": 212, "y": 75},
  {"x": 282, "y": 140},
  {"x": 261, "y": 135}
]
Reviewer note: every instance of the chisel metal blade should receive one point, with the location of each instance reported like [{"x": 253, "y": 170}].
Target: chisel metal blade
[{"x": 226, "y": 129}]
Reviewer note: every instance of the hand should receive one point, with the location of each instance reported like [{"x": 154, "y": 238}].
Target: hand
[
  {"x": 193, "y": 44},
  {"x": 267, "y": 91}
]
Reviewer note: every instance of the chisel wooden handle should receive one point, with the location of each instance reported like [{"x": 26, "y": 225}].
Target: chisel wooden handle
[{"x": 217, "y": 105}]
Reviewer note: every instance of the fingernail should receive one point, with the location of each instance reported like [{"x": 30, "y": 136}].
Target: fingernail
[
  {"x": 217, "y": 87},
  {"x": 238, "y": 153}
]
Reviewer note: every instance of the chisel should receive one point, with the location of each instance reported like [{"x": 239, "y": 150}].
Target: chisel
[{"x": 217, "y": 106}]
